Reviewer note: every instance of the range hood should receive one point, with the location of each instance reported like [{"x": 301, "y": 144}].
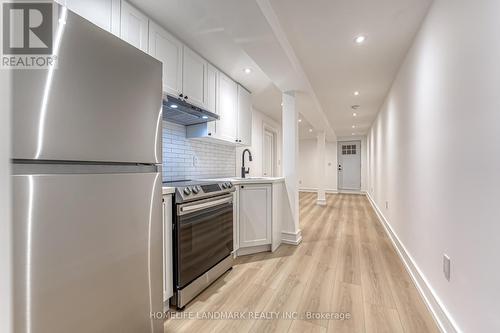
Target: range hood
[{"x": 179, "y": 111}]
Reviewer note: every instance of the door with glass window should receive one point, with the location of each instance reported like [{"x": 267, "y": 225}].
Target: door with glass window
[{"x": 349, "y": 165}]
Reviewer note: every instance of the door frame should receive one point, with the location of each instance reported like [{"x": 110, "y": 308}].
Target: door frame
[
  {"x": 268, "y": 128},
  {"x": 339, "y": 157}
]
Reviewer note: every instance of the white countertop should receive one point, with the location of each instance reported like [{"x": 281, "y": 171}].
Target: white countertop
[
  {"x": 249, "y": 180},
  {"x": 168, "y": 190},
  {"x": 235, "y": 181}
]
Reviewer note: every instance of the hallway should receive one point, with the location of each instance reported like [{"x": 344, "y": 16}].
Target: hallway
[{"x": 345, "y": 266}]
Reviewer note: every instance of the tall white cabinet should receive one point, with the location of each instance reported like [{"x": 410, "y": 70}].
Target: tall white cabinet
[
  {"x": 103, "y": 13},
  {"x": 134, "y": 26},
  {"x": 227, "y": 109},
  {"x": 168, "y": 268},
  {"x": 244, "y": 135},
  {"x": 167, "y": 49}
]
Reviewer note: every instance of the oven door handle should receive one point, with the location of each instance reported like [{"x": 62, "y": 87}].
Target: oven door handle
[{"x": 197, "y": 207}]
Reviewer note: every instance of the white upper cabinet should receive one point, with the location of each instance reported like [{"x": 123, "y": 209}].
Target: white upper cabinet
[
  {"x": 134, "y": 26},
  {"x": 103, "y": 13},
  {"x": 194, "y": 78},
  {"x": 212, "y": 75},
  {"x": 226, "y": 109},
  {"x": 244, "y": 117},
  {"x": 168, "y": 49}
]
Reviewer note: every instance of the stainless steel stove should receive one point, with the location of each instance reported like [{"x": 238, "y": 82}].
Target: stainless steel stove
[
  {"x": 202, "y": 236},
  {"x": 190, "y": 190}
]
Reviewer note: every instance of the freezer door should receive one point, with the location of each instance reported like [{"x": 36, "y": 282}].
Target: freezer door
[
  {"x": 88, "y": 253},
  {"x": 102, "y": 103}
]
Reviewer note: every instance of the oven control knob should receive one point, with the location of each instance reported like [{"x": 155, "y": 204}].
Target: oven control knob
[
  {"x": 187, "y": 191},
  {"x": 229, "y": 185},
  {"x": 195, "y": 189},
  {"x": 224, "y": 185}
]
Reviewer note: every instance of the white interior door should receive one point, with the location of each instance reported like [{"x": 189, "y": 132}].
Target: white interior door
[
  {"x": 269, "y": 154},
  {"x": 349, "y": 165}
]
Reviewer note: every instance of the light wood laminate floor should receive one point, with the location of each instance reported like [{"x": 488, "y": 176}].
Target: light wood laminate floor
[{"x": 345, "y": 264}]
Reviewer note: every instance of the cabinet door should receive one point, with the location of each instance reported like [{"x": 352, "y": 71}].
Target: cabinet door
[
  {"x": 212, "y": 89},
  {"x": 168, "y": 273},
  {"x": 226, "y": 106},
  {"x": 194, "y": 78},
  {"x": 244, "y": 117},
  {"x": 134, "y": 26},
  {"x": 255, "y": 215},
  {"x": 103, "y": 13},
  {"x": 168, "y": 49}
]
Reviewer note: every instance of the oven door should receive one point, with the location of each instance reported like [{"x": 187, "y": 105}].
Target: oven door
[{"x": 204, "y": 236}]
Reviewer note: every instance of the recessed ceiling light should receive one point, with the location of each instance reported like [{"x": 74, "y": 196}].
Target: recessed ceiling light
[
  {"x": 355, "y": 107},
  {"x": 356, "y": 93},
  {"x": 174, "y": 106},
  {"x": 248, "y": 70},
  {"x": 310, "y": 130},
  {"x": 353, "y": 126},
  {"x": 354, "y": 114},
  {"x": 353, "y": 133},
  {"x": 300, "y": 120},
  {"x": 360, "y": 39}
]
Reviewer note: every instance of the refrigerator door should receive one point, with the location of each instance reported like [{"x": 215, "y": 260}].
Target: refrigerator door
[
  {"x": 102, "y": 103},
  {"x": 88, "y": 252}
]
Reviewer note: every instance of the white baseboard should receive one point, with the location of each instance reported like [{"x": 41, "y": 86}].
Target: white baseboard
[
  {"x": 293, "y": 238},
  {"x": 442, "y": 317},
  {"x": 315, "y": 190},
  {"x": 243, "y": 251}
]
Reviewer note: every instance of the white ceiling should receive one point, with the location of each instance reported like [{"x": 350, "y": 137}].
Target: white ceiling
[
  {"x": 322, "y": 33},
  {"x": 305, "y": 46}
]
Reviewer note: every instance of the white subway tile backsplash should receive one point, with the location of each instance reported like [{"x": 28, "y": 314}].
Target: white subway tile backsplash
[{"x": 191, "y": 159}]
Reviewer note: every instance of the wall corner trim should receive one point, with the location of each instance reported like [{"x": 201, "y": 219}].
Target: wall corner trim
[
  {"x": 292, "y": 238},
  {"x": 443, "y": 319}
]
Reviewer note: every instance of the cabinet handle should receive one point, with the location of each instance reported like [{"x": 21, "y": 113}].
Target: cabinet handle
[
  {"x": 180, "y": 95},
  {"x": 185, "y": 97},
  {"x": 209, "y": 133}
]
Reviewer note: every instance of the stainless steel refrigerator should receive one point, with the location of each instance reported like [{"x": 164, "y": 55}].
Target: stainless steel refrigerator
[{"x": 87, "y": 187}]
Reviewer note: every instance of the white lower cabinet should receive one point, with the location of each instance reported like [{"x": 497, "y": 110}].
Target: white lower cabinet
[
  {"x": 255, "y": 215},
  {"x": 168, "y": 269}
]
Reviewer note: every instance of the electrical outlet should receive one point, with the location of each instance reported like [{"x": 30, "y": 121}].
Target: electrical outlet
[
  {"x": 446, "y": 266},
  {"x": 387, "y": 205},
  {"x": 195, "y": 161},
  {"x": 300, "y": 181}
]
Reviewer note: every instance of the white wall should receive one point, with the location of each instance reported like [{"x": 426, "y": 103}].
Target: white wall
[
  {"x": 308, "y": 164},
  {"x": 5, "y": 205},
  {"x": 434, "y": 155},
  {"x": 309, "y": 180},
  {"x": 256, "y": 166},
  {"x": 194, "y": 159}
]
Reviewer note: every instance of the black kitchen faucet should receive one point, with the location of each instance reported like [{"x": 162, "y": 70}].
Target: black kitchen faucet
[{"x": 243, "y": 170}]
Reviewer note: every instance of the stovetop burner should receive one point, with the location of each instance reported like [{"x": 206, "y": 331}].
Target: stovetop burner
[{"x": 189, "y": 190}]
